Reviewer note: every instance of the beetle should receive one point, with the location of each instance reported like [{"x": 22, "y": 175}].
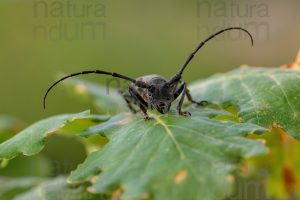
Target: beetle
[{"x": 154, "y": 91}]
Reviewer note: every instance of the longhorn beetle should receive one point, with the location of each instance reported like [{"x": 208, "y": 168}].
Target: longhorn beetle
[{"x": 154, "y": 91}]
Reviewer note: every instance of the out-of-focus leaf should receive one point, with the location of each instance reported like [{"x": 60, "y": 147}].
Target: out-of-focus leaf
[
  {"x": 105, "y": 99},
  {"x": 10, "y": 187},
  {"x": 58, "y": 189},
  {"x": 169, "y": 157},
  {"x": 32, "y": 139},
  {"x": 280, "y": 166},
  {"x": 264, "y": 96},
  {"x": 37, "y": 165},
  {"x": 249, "y": 188},
  {"x": 9, "y": 126}
]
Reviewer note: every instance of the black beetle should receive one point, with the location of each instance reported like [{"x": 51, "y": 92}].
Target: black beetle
[{"x": 154, "y": 91}]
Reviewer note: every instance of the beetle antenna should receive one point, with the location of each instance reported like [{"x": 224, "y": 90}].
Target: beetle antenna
[
  {"x": 206, "y": 40},
  {"x": 87, "y": 72}
]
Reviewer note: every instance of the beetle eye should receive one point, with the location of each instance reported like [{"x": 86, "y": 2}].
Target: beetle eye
[{"x": 151, "y": 88}]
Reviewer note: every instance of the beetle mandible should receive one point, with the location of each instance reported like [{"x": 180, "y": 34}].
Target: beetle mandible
[{"x": 154, "y": 91}]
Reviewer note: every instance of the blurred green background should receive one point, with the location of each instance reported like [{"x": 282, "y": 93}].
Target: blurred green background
[{"x": 42, "y": 38}]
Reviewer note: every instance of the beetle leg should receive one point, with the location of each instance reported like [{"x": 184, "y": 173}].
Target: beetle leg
[
  {"x": 144, "y": 110},
  {"x": 140, "y": 102},
  {"x": 190, "y": 98},
  {"x": 182, "y": 90},
  {"x": 129, "y": 100},
  {"x": 188, "y": 95},
  {"x": 178, "y": 91}
]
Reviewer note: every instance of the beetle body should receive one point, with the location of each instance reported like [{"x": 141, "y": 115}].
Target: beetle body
[{"x": 158, "y": 96}]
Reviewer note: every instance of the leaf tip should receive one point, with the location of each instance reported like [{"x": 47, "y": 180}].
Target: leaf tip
[{"x": 293, "y": 66}]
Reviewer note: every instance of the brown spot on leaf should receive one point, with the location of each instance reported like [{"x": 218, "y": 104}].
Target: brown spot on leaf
[
  {"x": 49, "y": 134},
  {"x": 94, "y": 179},
  {"x": 240, "y": 120},
  {"x": 91, "y": 190},
  {"x": 52, "y": 132},
  {"x": 181, "y": 176},
  {"x": 276, "y": 125},
  {"x": 244, "y": 170},
  {"x": 284, "y": 137},
  {"x": 289, "y": 179},
  {"x": 116, "y": 194},
  {"x": 80, "y": 88},
  {"x": 230, "y": 179},
  {"x": 262, "y": 141}
]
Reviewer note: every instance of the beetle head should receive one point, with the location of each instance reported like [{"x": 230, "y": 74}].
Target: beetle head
[{"x": 161, "y": 97}]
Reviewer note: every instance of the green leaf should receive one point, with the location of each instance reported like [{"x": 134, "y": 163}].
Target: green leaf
[
  {"x": 32, "y": 139},
  {"x": 282, "y": 164},
  {"x": 170, "y": 156},
  {"x": 8, "y": 127},
  {"x": 58, "y": 189},
  {"x": 37, "y": 165},
  {"x": 267, "y": 97},
  {"x": 13, "y": 186},
  {"x": 105, "y": 99},
  {"x": 173, "y": 157}
]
